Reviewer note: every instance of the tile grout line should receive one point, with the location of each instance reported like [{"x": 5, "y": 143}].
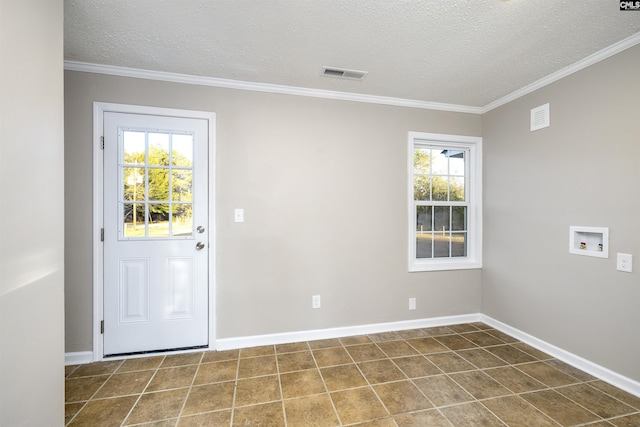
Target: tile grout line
[
  {"x": 475, "y": 400},
  {"x": 611, "y": 396},
  {"x": 235, "y": 389},
  {"x": 424, "y": 355},
  {"x": 453, "y": 351},
  {"x": 407, "y": 378},
  {"x": 518, "y": 395},
  {"x": 324, "y": 384},
  {"x": 155, "y": 372},
  {"x": 412, "y": 380},
  {"x": 365, "y": 377},
  {"x": 284, "y": 412},
  {"x": 546, "y": 387},
  {"x": 582, "y": 406},
  {"x": 96, "y": 392},
  {"x": 511, "y": 393},
  {"x": 186, "y": 398},
  {"x": 535, "y": 408},
  {"x": 477, "y": 369},
  {"x": 549, "y": 388}
]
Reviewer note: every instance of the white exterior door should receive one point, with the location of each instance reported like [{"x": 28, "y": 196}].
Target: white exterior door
[{"x": 155, "y": 233}]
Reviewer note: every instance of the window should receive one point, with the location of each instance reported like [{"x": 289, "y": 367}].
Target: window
[
  {"x": 156, "y": 192},
  {"x": 445, "y": 202}
]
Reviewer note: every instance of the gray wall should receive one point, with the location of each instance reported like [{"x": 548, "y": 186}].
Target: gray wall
[
  {"x": 323, "y": 185},
  {"x": 582, "y": 170},
  {"x": 31, "y": 218}
]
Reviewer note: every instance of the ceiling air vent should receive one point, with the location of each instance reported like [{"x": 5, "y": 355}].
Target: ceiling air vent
[
  {"x": 342, "y": 73},
  {"x": 540, "y": 117}
]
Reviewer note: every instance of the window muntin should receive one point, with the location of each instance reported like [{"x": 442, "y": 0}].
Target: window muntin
[
  {"x": 444, "y": 196},
  {"x": 156, "y": 192}
]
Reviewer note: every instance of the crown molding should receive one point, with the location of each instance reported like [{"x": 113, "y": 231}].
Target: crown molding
[
  {"x": 349, "y": 96},
  {"x": 264, "y": 87},
  {"x": 551, "y": 78}
]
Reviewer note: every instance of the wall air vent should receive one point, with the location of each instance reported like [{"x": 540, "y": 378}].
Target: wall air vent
[
  {"x": 540, "y": 117},
  {"x": 342, "y": 73}
]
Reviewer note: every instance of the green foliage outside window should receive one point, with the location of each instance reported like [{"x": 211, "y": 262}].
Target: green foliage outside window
[
  {"x": 160, "y": 174},
  {"x": 428, "y": 187}
]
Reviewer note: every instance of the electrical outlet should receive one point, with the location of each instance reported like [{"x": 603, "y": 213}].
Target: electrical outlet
[
  {"x": 238, "y": 215},
  {"x": 625, "y": 262},
  {"x": 315, "y": 301},
  {"x": 412, "y": 303}
]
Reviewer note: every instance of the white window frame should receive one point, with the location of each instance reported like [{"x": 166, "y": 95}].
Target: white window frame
[{"x": 473, "y": 192}]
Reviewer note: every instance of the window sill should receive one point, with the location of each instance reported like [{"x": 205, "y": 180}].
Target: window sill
[{"x": 417, "y": 266}]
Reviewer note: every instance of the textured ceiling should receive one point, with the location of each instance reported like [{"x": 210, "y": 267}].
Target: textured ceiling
[{"x": 463, "y": 52}]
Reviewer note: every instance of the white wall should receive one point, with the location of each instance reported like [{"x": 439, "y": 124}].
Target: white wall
[
  {"x": 31, "y": 222},
  {"x": 582, "y": 170}
]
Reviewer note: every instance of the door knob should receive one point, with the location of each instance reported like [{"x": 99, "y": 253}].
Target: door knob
[{"x": 199, "y": 246}]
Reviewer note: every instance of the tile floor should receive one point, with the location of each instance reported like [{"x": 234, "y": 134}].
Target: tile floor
[{"x": 460, "y": 375}]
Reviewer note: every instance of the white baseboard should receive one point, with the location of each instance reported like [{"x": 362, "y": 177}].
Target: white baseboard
[
  {"x": 607, "y": 375},
  {"x": 613, "y": 378},
  {"x": 78, "y": 358},
  {"x": 82, "y": 357},
  {"x": 321, "y": 334}
]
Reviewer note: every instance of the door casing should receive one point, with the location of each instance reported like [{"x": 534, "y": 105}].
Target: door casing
[{"x": 99, "y": 108}]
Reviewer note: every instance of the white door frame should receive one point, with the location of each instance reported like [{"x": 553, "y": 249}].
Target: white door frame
[{"x": 99, "y": 108}]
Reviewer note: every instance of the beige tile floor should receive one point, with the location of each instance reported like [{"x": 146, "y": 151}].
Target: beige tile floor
[{"x": 460, "y": 375}]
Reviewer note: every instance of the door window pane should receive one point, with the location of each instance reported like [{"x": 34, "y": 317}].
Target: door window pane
[
  {"x": 158, "y": 220},
  {"x": 181, "y": 185},
  {"x": 158, "y": 149},
  {"x": 159, "y": 184},
  {"x": 182, "y": 220},
  {"x": 134, "y": 147},
  {"x": 182, "y": 150},
  {"x": 134, "y": 184},
  {"x": 133, "y": 223}
]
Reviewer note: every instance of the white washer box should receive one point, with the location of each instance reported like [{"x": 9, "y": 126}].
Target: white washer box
[{"x": 589, "y": 241}]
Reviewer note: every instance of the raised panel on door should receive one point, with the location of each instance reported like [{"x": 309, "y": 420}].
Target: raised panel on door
[
  {"x": 134, "y": 290},
  {"x": 181, "y": 288}
]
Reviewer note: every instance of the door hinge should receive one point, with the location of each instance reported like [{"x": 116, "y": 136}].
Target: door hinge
[
  {"x": 102, "y": 326},
  {"x": 102, "y": 234},
  {"x": 102, "y": 142}
]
